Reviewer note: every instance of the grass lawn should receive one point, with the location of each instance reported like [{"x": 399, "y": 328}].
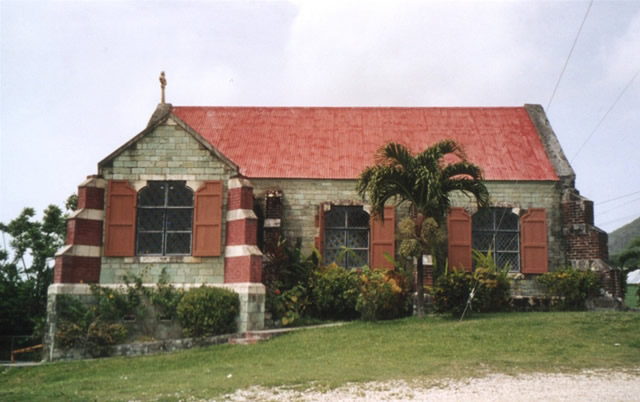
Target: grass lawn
[
  {"x": 432, "y": 348},
  {"x": 631, "y": 297}
]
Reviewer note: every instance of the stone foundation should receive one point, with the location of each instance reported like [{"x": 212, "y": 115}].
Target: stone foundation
[{"x": 250, "y": 318}]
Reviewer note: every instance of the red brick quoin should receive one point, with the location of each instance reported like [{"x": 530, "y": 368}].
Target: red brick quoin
[{"x": 76, "y": 269}]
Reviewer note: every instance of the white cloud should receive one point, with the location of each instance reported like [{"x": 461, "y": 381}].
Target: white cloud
[{"x": 433, "y": 53}]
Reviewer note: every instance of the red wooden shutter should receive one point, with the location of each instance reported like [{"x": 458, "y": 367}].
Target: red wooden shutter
[
  {"x": 120, "y": 226},
  {"x": 207, "y": 220},
  {"x": 383, "y": 236},
  {"x": 459, "y": 229},
  {"x": 319, "y": 240},
  {"x": 533, "y": 242}
]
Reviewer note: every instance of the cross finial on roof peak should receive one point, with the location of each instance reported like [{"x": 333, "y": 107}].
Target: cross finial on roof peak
[{"x": 163, "y": 83}]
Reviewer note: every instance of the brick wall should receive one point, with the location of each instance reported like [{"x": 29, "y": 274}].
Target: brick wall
[
  {"x": 167, "y": 153},
  {"x": 584, "y": 240}
]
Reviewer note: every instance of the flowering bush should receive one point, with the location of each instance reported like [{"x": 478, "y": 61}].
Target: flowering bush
[
  {"x": 572, "y": 286},
  {"x": 384, "y": 295},
  {"x": 290, "y": 305}
]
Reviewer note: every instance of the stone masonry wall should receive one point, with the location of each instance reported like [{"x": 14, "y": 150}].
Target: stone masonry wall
[
  {"x": 301, "y": 197},
  {"x": 167, "y": 153}
]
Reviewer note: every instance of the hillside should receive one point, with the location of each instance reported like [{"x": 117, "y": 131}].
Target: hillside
[{"x": 619, "y": 238}]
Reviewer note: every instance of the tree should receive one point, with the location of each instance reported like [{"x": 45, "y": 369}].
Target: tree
[
  {"x": 425, "y": 181},
  {"x": 630, "y": 256},
  {"x": 27, "y": 272}
]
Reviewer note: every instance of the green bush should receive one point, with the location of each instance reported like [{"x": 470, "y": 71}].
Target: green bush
[
  {"x": 451, "y": 292},
  {"x": 490, "y": 285},
  {"x": 335, "y": 293},
  {"x": 291, "y": 305},
  {"x": 101, "y": 336},
  {"x": 83, "y": 327},
  {"x": 384, "y": 295},
  {"x": 208, "y": 311},
  {"x": 573, "y": 287}
]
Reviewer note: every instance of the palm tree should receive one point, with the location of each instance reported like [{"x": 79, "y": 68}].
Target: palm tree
[{"x": 426, "y": 181}]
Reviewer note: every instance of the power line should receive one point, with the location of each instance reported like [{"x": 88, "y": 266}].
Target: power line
[
  {"x": 616, "y": 198},
  {"x": 618, "y": 219},
  {"x": 606, "y": 114},
  {"x": 569, "y": 56},
  {"x": 619, "y": 206}
]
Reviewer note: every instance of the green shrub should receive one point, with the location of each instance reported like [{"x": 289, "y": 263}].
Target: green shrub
[
  {"x": 82, "y": 327},
  {"x": 490, "y": 285},
  {"x": 335, "y": 293},
  {"x": 291, "y": 305},
  {"x": 208, "y": 311},
  {"x": 573, "y": 287},
  {"x": 451, "y": 292},
  {"x": 384, "y": 295},
  {"x": 101, "y": 337},
  {"x": 287, "y": 275}
]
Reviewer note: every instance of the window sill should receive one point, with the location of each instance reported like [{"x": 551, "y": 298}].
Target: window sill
[{"x": 156, "y": 259}]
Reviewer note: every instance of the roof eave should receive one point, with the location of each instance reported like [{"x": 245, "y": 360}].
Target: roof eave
[
  {"x": 214, "y": 151},
  {"x": 159, "y": 117},
  {"x": 552, "y": 147}
]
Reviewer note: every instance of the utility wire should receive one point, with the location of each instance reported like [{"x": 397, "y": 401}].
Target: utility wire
[
  {"x": 617, "y": 198},
  {"x": 619, "y": 206},
  {"x": 618, "y": 219},
  {"x": 569, "y": 56},
  {"x": 606, "y": 114}
]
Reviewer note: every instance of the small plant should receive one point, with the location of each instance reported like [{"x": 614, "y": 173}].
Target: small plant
[
  {"x": 287, "y": 278},
  {"x": 292, "y": 305},
  {"x": 572, "y": 286},
  {"x": 490, "y": 285},
  {"x": 101, "y": 336},
  {"x": 384, "y": 295},
  {"x": 98, "y": 326},
  {"x": 451, "y": 292},
  {"x": 85, "y": 327},
  {"x": 335, "y": 293},
  {"x": 208, "y": 311}
]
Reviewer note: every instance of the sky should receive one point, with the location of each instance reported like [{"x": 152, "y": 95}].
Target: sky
[{"x": 80, "y": 78}]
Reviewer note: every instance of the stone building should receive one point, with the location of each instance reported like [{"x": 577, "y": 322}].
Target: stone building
[{"x": 180, "y": 195}]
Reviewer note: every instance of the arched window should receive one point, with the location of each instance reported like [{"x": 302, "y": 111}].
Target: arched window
[
  {"x": 346, "y": 227},
  {"x": 165, "y": 219},
  {"x": 497, "y": 230}
]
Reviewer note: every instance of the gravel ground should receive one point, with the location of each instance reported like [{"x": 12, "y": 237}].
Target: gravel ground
[{"x": 586, "y": 386}]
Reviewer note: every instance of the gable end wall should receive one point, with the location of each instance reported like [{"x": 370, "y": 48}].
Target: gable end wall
[{"x": 167, "y": 153}]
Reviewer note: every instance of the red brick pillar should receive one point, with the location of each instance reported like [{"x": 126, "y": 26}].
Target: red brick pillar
[
  {"x": 242, "y": 258},
  {"x": 79, "y": 260}
]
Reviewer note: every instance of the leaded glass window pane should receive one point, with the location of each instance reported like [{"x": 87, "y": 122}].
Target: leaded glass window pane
[
  {"x": 331, "y": 256},
  {"x": 150, "y": 219},
  {"x": 178, "y": 243},
  {"x": 358, "y": 239},
  {"x": 498, "y": 230},
  {"x": 358, "y": 219},
  {"x": 179, "y": 219},
  {"x": 335, "y": 218},
  {"x": 149, "y": 243},
  {"x": 335, "y": 239},
  {"x": 357, "y": 258},
  {"x": 346, "y": 235},
  {"x": 165, "y": 219},
  {"x": 180, "y": 196},
  {"x": 153, "y": 195}
]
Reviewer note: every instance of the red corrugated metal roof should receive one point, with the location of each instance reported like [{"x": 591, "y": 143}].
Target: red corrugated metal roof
[{"x": 339, "y": 142}]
